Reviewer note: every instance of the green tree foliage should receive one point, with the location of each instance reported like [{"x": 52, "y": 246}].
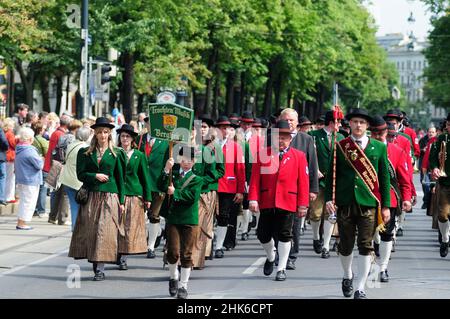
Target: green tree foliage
[
  {"x": 437, "y": 54},
  {"x": 227, "y": 53}
]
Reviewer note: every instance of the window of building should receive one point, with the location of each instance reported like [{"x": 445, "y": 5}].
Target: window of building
[
  {"x": 414, "y": 65},
  {"x": 420, "y": 65},
  {"x": 408, "y": 64},
  {"x": 403, "y": 65}
]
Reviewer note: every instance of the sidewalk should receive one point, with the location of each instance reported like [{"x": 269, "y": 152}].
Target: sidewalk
[{"x": 21, "y": 247}]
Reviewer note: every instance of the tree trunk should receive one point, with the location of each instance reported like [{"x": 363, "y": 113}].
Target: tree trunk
[
  {"x": 277, "y": 85},
  {"x": 11, "y": 92},
  {"x": 230, "y": 76},
  {"x": 215, "y": 106},
  {"x": 43, "y": 83},
  {"x": 68, "y": 94},
  {"x": 269, "y": 90},
  {"x": 127, "y": 93},
  {"x": 289, "y": 98},
  {"x": 27, "y": 81},
  {"x": 140, "y": 103},
  {"x": 243, "y": 100},
  {"x": 59, "y": 93},
  {"x": 212, "y": 65}
]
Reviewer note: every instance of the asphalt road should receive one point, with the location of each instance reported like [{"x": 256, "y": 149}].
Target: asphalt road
[{"x": 34, "y": 264}]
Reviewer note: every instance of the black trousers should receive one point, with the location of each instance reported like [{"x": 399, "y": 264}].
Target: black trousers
[
  {"x": 387, "y": 235},
  {"x": 275, "y": 223},
  {"x": 228, "y": 211}
]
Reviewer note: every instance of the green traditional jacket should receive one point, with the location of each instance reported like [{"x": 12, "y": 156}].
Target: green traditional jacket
[
  {"x": 206, "y": 167},
  {"x": 113, "y": 166},
  {"x": 434, "y": 157},
  {"x": 219, "y": 168},
  {"x": 137, "y": 178},
  {"x": 350, "y": 187},
  {"x": 157, "y": 159},
  {"x": 324, "y": 152},
  {"x": 182, "y": 207}
]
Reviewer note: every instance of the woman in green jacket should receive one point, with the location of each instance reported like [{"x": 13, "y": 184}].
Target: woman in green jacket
[
  {"x": 138, "y": 196},
  {"x": 101, "y": 168}
]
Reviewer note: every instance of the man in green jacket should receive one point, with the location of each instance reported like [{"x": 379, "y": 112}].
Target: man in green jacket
[
  {"x": 362, "y": 197},
  {"x": 180, "y": 208},
  {"x": 324, "y": 141},
  {"x": 157, "y": 153},
  {"x": 440, "y": 170}
]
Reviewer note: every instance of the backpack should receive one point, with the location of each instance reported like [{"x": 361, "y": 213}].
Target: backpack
[{"x": 59, "y": 152}]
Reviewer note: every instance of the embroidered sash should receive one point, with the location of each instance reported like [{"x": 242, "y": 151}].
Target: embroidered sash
[{"x": 363, "y": 167}]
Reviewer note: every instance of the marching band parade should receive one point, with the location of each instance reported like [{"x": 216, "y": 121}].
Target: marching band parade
[
  {"x": 234, "y": 149},
  {"x": 198, "y": 198}
]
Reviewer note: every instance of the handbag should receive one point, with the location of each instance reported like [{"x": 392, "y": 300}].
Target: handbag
[
  {"x": 81, "y": 196},
  {"x": 53, "y": 174}
]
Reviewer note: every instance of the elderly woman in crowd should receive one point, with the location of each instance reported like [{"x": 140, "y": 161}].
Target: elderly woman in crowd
[
  {"x": 101, "y": 168},
  {"x": 28, "y": 165},
  {"x": 68, "y": 176},
  {"x": 10, "y": 185}
]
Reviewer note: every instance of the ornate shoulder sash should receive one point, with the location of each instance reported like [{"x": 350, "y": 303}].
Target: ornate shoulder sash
[{"x": 363, "y": 167}]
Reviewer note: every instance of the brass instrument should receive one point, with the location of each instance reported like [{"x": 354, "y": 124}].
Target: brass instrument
[{"x": 442, "y": 159}]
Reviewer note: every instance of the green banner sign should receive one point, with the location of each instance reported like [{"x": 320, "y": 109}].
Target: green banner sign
[{"x": 169, "y": 121}]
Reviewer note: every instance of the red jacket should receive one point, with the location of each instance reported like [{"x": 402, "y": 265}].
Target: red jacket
[
  {"x": 414, "y": 139},
  {"x": 397, "y": 157},
  {"x": 11, "y": 152},
  {"x": 233, "y": 181},
  {"x": 51, "y": 146},
  {"x": 404, "y": 144},
  {"x": 285, "y": 188},
  {"x": 426, "y": 156}
]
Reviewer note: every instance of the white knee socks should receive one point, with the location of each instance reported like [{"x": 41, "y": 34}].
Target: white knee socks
[
  {"x": 173, "y": 271},
  {"x": 153, "y": 230},
  {"x": 185, "y": 273},
  {"x": 283, "y": 253},
  {"x": 346, "y": 262},
  {"x": 376, "y": 238},
  {"x": 364, "y": 263},
  {"x": 269, "y": 248},
  {"x": 385, "y": 254},
  {"x": 315, "y": 229},
  {"x": 327, "y": 232},
  {"x": 444, "y": 229},
  {"x": 246, "y": 217},
  {"x": 221, "y": 232}
]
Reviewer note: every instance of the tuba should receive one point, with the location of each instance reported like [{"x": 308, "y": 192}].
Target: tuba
[{"x": 442, "y": 159}]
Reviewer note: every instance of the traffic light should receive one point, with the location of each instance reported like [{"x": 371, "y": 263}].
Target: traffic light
[{"x": 105, "y": 76}]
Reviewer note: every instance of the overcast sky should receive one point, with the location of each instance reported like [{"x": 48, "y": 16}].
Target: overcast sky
[{"x": 392, "y": 16}]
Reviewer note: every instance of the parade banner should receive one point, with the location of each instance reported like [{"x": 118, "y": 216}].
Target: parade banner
[{"x": 170, "y": 121}]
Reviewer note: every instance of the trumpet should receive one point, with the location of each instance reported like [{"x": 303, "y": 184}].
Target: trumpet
[{"x": 442, "y": 159}]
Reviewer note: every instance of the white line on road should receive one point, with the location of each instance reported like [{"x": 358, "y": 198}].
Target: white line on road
[
  {"x": 250, "y": 270},
  {"x": 8, "y": 272}
]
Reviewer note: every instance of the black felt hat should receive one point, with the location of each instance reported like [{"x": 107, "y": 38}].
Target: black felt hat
[
  {"x": 396, "y": 114},
  {"x": 257, "y": 123},
  {"x": 283, "y": 126},
  {"x": 247, "y": 117},
  {"x": 223, "y": 120},
  {"x": 377, "y": 123},
  {"x": 127, "y": 128},
  {"x": 303, "y": 120},
  {"x": 358, "y": 112},
  {"x": 102, "y": 122},
  {"x": 207, "y": 119},
  {"x": 448, "y": 116}
]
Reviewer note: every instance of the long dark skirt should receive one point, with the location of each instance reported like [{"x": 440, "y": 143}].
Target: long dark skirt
[{"x": 97, "y": 229}]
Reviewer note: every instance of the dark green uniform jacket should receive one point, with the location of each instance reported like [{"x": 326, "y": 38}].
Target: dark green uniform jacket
[
  {"x": 113, "y": 166},
  {"x": 137, "y": 178},
  {"x": 434, "y": 157},
  {"x": 324, "y": 152},
  {"x": 182, "y": 207},
  {"x": 350, "y": 187}
]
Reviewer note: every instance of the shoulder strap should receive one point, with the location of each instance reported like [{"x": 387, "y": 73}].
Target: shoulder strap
[
  {"x": 186, "y": 182},
  {"x": 140, "y": 141}
]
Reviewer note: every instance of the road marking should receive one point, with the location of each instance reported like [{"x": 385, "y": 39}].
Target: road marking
[
  {"x": 250, "y": 270},
  {"x": 8, "y": 272}
]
